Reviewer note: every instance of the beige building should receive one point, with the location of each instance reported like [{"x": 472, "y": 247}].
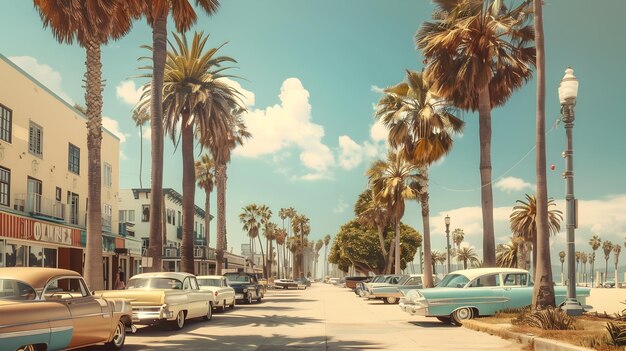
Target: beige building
[{"x": 43, "y": 179}]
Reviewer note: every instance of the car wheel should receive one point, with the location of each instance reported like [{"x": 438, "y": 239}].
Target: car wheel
[
  {"x": 391, "y": 300},
  {"x": 27, "y": 348},
  {"x": 119, "y": 337},
  {"x": 232, "y": 306},
  {"x": 249, "y": 298},
  {"x": 223, "y": 308},
  {"x": 445, "y": 320},
  {"x": 462, "y": 314},
  {"x": 258, "y": 299},
  {"x": 209, "y": 313},
  {"x": 179, "y": 322}
]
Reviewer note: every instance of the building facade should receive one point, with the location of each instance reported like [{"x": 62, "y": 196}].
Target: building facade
[{"x": 43, "y": 179}]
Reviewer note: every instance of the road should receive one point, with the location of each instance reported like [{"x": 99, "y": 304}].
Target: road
[{"x": 323, "y": 317}]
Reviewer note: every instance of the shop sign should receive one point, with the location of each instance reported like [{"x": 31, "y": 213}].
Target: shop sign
[
  {"x": 52, "y": 233},
  {"x": 18, "y": 227}
]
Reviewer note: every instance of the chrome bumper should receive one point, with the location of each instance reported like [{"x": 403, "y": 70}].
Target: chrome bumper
[
  {"x": 151, "y": 313},
  {"x": 414, "y": 309}
]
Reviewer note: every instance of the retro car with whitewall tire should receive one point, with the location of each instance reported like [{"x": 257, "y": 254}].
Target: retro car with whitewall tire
[
  {"x": 386, "y": 280},
  {"x": 246, "y": 285},
  {"x": 53, "y": 309},
  {"x": 165, "y": 297},
  {"x": 223, "y": 293},
  {"x": 467, "y": 294},
  {"x": 390, "y": 293}
]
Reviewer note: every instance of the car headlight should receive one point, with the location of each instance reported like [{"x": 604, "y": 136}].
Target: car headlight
[{"x": 245, "y": 290}]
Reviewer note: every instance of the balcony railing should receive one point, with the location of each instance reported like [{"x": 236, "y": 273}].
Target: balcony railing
[{"x": 38, "y": 205}]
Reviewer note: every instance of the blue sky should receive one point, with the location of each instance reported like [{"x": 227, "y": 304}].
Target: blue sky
[{"x": 313, "y": 70}]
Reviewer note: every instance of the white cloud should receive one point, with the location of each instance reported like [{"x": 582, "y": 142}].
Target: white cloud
[
  {"x": 510, "y": 184},
  {"x": 247, "y": 97},
  {"x": 123, "y": 155},
  {"x": 377, "y": 89},
  {"x": 147, "y": 132},
  {"x": 341, "y": 206},
  {"x": 128, "y": 92},
  {"x": 351, "y": 153},
  {"x": 44, "y": 74},
  {"x": 378, "y": 132},
  {"x": 286, "y": 125},
  {"x": 113, "y": 126}
]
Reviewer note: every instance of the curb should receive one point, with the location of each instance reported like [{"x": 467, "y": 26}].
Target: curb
[{"x": 539, "y": 344}]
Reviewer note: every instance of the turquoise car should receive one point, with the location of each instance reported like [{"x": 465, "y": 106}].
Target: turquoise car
[{"x": 470, "y": 293}]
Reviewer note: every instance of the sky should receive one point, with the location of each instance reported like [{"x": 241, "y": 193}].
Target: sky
[{"x": 311, "y": 73}]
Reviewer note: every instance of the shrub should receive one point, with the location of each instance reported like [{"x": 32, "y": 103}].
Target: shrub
[
  {"x": 617, "y": 332},
  {"x": 547, "y": 319}
]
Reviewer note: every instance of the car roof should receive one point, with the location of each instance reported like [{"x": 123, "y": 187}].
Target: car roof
[
  {"x": 36, "y": 277},
  {"x": 210, "y": 277},
  {"x": 172, "y": 275},
  {"x": 477, "y": 272}
]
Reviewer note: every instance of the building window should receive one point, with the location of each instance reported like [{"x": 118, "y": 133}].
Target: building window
[
  {"x": 73, "y": 161},
  {"x": 5, "y": 186},
  {"x": 108, "y": 175},
  {"x": 122, "y": 215},
  {"x": 35, "y": 139},
  {"x": 131, "y": 215},
  {"x": 180, "y": 218},
  {"x": 6, "y": 120},
  {"x": 145, "y": 213},
  {"x": 58, "y": 194},
  {"x": 1, "y": 253}
]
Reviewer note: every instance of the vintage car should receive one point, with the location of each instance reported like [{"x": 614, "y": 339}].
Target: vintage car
[
  {"x": 171, "y": 297},
  {"x": 53, "y": 309},
  {"x": 390, "y": 293},
  {"x": 222, "y": 292},
  {"x": 285, "y": 284},
  {"x": 351, "y": 282},
  {"x": 386, "y": 280},
  {"x": 303, "y": 282},
  {"x": 246, "y": 285},
  {"x": 470, "y": 293}
]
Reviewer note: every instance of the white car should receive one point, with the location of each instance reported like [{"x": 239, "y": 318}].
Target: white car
[{"x": 218, "y": 285}]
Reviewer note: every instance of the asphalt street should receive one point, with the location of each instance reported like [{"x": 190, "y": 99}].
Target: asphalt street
[{"x": 322, "y": 317}]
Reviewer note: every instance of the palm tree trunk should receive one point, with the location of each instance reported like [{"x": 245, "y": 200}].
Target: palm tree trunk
[
  {"x": 140, "y": 155},
  {"x": 159, "y": 41},
  {"x": 326, "y": 261},
  {"x": 390, "y": 257},
  {"x": 220, "y": 182},
  {"x": 93, "y": 256},
  {"x": 207, "y": 222},
  {"x": 486, "y": 192},
  {"x": 521, "y": 255},
  {"x": 428, "y": 273},
  {"x": 397, "y": 254},
  {"x": 189, "y": 187},
  {"x": 262, "y": 254}
]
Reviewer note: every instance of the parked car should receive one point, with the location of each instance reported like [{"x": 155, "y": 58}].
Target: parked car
[
  {"x": 223, "y": 293},
  {"x": 390, "y": 293},
  {"x": 334, "y": 281},
  {"x": 361, "y": 287},
  {"x": 246, "y": 285},
  {"x": 470, "y": 293},
  {"x": 285, "y": 284},
  {"x": 351, "y": 282},
  {"x": 609, "y": 284},
  {"x": 385, "y": 281},
  {"x": 303, "y": 283},
  {"x": 53, "y": 309},
  {"x": 165, "y": 297}
]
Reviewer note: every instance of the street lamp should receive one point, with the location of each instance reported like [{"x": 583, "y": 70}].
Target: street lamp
[
  {"x": 447, "y": 219},
  {"x": 568, "y": 90}
]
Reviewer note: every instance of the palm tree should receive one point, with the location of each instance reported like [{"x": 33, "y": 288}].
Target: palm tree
[
  {"x": 457, "y": 237},
  {"x": 269, "y": 231},
  {"x": 523, "y": 221},
  {"x": 390, "y": 180},
  {"x": 436, "y": 257},
  {"x": 592, "y": 260},
  {"x": 140, "y": 117},
  {"x": 595, "y": 243},
  {"x": 583, "y": 261},
  {"x": 184, "y": 16},
  {"x": 205, "y": 174},
  {"x": 421, "y": 125},
  {"x": 616, "y": 250},
  {"x": 326, "y": 242},
  {"x": 196, "y": 99},
  {"x": 562, "y": 259},
  {"x": 281, "y": 239},
  {"x": 507, "y": 255},
  {"x": 465, "y": 68},
  {"x": 318, "y": 246},
  {"x": 300, "y": 226},
  {"x": 251, "y": 218},
  {"x": 91, "y": 25},
  {"x": 607, "y": 247},
  {"x": 466, "y": 254},
  {"x": 577, "y": 254},
  {"x": 372, "y": 213}
]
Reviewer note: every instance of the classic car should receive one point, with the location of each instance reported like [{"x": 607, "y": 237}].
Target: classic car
[
  {"x": 390, "y": 293},
  {"x": 385, "y": 281},
  {"x": 303, "y": 283},
  {"x": 361, "y": 288},
  {"x": 171, "y": 297},
  {"x": 351, "y": 282},
  {"x": 246, "y": 285},
  {"x": 470, "y": 293},
  {"x": 285, "y": 284},
  {"x": 52, "y": 309},
  {"x": 218, "y": 285}
]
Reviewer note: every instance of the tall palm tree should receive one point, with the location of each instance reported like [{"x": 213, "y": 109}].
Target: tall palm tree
[
  {"x": 421, "y": 125},
  {"x": 91, "y": 25},
  {"x": 318, "y": 246},
  {"x": 562, "y": 259},
  {"x": 595, "y": 243},
  {"x": 391, "y": 181},
  {"x": 281, "y": 238},
  {"x": 282, "y": 214},
  {"x": 466, "y": 254},
  {"x": 252, "y": 224},
  {"x": 457, "y": 237},
  {"x": 205, "y": 174},
  {"x": 436, "y": 258},
  {"x": 583, "y": 260},
  {"x": 592, "y": 260},
  {"x": 184, "y": 16},
  {"x": 290, "y": 212},
  {"x": 195, "y": 98},
  {"x": 616, "y": 251},
  {"x": 326, "y": 242},
  {"x": 372, "y": 213},
  {"x": 465, "y": 68},
  {"x": 577, "y": 254},
  {"x": 607, "y": 247},
  {"x": 140, "y": 117},
  {"x": 523, "y": 220},
  {"x": 507, "y": 255},
  {"x": 301, "y": 227},
  {"x": 269, "y": 231}
]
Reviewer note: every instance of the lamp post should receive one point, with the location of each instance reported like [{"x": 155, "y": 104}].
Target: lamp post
[
  {"x": 568, "y": 90},
  {"x": 447, "y": 219}
]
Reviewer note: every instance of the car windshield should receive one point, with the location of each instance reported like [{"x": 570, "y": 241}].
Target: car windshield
[
  {"x": 11, "y": 289},
  {"x": 209, "y": 282},
  {"x": 453, "y": 281},
  {"x": 154, "y": 283},
  {"x": 238, "y": 278},
  {"x": 378, "y": 279}
]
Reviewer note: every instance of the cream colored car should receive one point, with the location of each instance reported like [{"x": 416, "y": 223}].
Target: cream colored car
[
  {"x": 171, "y": 297},
  {"x": 217, "y": 284}
]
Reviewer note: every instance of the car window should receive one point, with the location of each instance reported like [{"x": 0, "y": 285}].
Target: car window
[
  {"x": 486, "y": 281},
  {"x": 154, "y": 283},
  {"x": 210, "y": 282},
  {"x": 239, "y": 278},
  {"x": 194, "y": 283},
  {"x": 187, "y": 284},
  {"x": 516, "y": 279},
  {"x": 453, "y": 281},
  {"x": 413, "y": 281},
  {"x": 11, "y": 289},
  {"x": 65, "y": 288}
]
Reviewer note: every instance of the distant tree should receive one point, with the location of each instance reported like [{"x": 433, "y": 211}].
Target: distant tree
[
  {"x": 616, "y": 250},
  {"x": 595, "y": 243},
  {"x": 457, "y": 237},
  {"x": 467, "y": 254},
  {"x": 607, "y": 247},
  {"x": 507, "y": 254}
]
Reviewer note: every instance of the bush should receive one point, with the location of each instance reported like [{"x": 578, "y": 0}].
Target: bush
[
  {"x": 617, "y": 332},
  {"x": 548, "y": 319}
]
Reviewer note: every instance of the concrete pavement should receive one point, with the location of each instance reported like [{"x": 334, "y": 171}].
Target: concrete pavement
[{"x": 323, "y": 317}]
